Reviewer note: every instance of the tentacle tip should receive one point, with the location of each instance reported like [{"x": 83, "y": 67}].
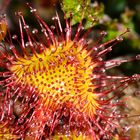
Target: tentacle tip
[
  {"x": 136, "y": 77},
  {"x": 18, "y": 14},
  {"x": 128, "y": 29},
  {"x": 138, "y": 57},
  {"x": 32, "y": 10}
]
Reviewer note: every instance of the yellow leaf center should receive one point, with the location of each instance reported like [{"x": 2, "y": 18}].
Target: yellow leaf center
[{"x": 61, "y": 76}]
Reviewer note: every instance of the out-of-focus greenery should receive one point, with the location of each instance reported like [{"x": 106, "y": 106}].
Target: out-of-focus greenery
[{"x": 83, "y": 9}]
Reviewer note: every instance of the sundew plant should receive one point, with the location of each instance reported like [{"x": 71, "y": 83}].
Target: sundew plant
[{"x": 54, "y": 87}]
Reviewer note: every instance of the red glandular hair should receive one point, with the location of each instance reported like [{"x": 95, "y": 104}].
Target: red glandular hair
[{"x": 55, "y": 87}]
